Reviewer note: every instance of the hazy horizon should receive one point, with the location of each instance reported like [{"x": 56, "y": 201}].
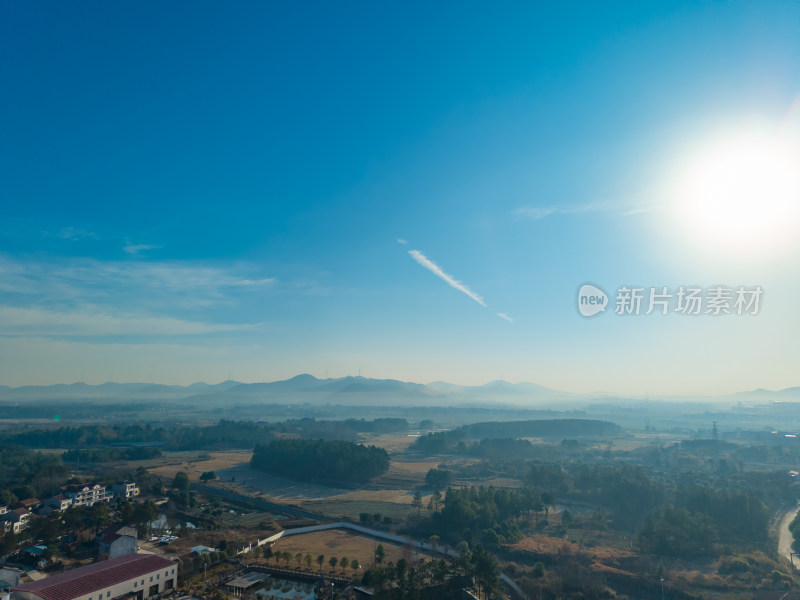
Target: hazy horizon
[
  {"x": 204, "y": 192},
  {"x": 547, "y": 391}
]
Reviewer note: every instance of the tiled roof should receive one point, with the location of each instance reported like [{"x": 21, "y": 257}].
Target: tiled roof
[{"x": 91, "y": 578}]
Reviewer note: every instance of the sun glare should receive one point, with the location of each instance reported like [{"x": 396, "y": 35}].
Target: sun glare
[{"x": 741, "y": 192}]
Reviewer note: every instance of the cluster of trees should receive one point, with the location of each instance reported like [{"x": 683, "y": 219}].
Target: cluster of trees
[
  {"x": 439, "y": 479},
  {"x": 486, "y": 515},
  {"x": 321, "y": 461},
  {"x": 702, "y": 519},
  {"x": 107, "y": 454},
  {"x": 794, "y": 527},
  {"x": 196, "y": 563},
  {"x": 729, "y": 510},
  {"x": 671, "y": 518},
  {"x": 25, "y": 473},
  {"x": 754, "y": 569},
  {"x": 502, "y": 438},
  {"x": 435, "y": 578},
  {"x": 139, "y": 514},
  {"x": 48, "y": 529},
  {"x": 375, "y": 518}
]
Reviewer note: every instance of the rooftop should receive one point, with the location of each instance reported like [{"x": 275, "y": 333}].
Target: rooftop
[
  {"x": 247, "y": 580},
  {"x": 88, "y": 579}
]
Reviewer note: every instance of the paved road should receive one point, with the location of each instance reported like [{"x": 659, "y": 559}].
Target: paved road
[{"x": 785, "y": 538}]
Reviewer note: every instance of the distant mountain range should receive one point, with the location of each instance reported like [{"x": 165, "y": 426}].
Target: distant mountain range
[{"x": 343, "y": 390}]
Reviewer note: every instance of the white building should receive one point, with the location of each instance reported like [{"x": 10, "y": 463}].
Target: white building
[
  {"x": 135, "y": 576},
  {"x": 16, "y": 519},
  {"x": 125, "y": 489},
  {"x": 85, "y": 494},
  {"x": 60, "y": 502}
]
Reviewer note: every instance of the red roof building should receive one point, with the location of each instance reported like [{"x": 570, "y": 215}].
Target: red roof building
[{"x": 138, "y": 576}]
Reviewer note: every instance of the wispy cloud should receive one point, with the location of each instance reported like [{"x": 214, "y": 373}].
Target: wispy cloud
[
  {"x": 451, "y": 281},
  {"x": 135, "y": 249},
  {"x": 255, "y": 282},
  {"x": 80, "y": 296},
  {"x": 536, "y": 213},
  {"x": 75, "y": 234},
  {"x": 448, "y": 279},
  {"x": 401, "y": 241},
  {"x": 18, "y": 321}
]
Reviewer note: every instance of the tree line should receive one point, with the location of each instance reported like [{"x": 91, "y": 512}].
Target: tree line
[
  {"x": 100, "y": 455},
  {"x": 222, "y": 435},
  {"x": 458, "y": 440}
]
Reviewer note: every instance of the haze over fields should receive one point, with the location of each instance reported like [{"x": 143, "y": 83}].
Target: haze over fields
[{"x": 354, "y": 391}]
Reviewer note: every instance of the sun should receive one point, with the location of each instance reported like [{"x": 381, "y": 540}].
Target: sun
[{"x": 741, "y": 191}]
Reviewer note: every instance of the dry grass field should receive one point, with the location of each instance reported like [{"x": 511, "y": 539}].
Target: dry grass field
[
  {"x": 274, "y": 487},
  {"x": 194, "y": 463},
  {"x": 391, "y": 442},
  {"x": 339, "y": 544}
]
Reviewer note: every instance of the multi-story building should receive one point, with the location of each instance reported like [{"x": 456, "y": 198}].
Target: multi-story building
[
  {"x": 30, "y": 503},
  {"x": 86, "y": 494},
  {"x": 60, "y": 502},
  {"x": 133, "y": 576},
  {"x": 125, "y": 489},
  {"x": 16, "y": 520}
]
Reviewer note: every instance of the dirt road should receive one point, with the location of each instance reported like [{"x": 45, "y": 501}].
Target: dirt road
[{"x": 785, "y": 536}]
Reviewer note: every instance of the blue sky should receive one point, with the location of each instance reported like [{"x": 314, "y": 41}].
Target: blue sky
[{"x": 194, "y": 190}]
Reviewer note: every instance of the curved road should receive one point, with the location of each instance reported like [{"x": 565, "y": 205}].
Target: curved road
[{"x": 785, "y": 536}]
